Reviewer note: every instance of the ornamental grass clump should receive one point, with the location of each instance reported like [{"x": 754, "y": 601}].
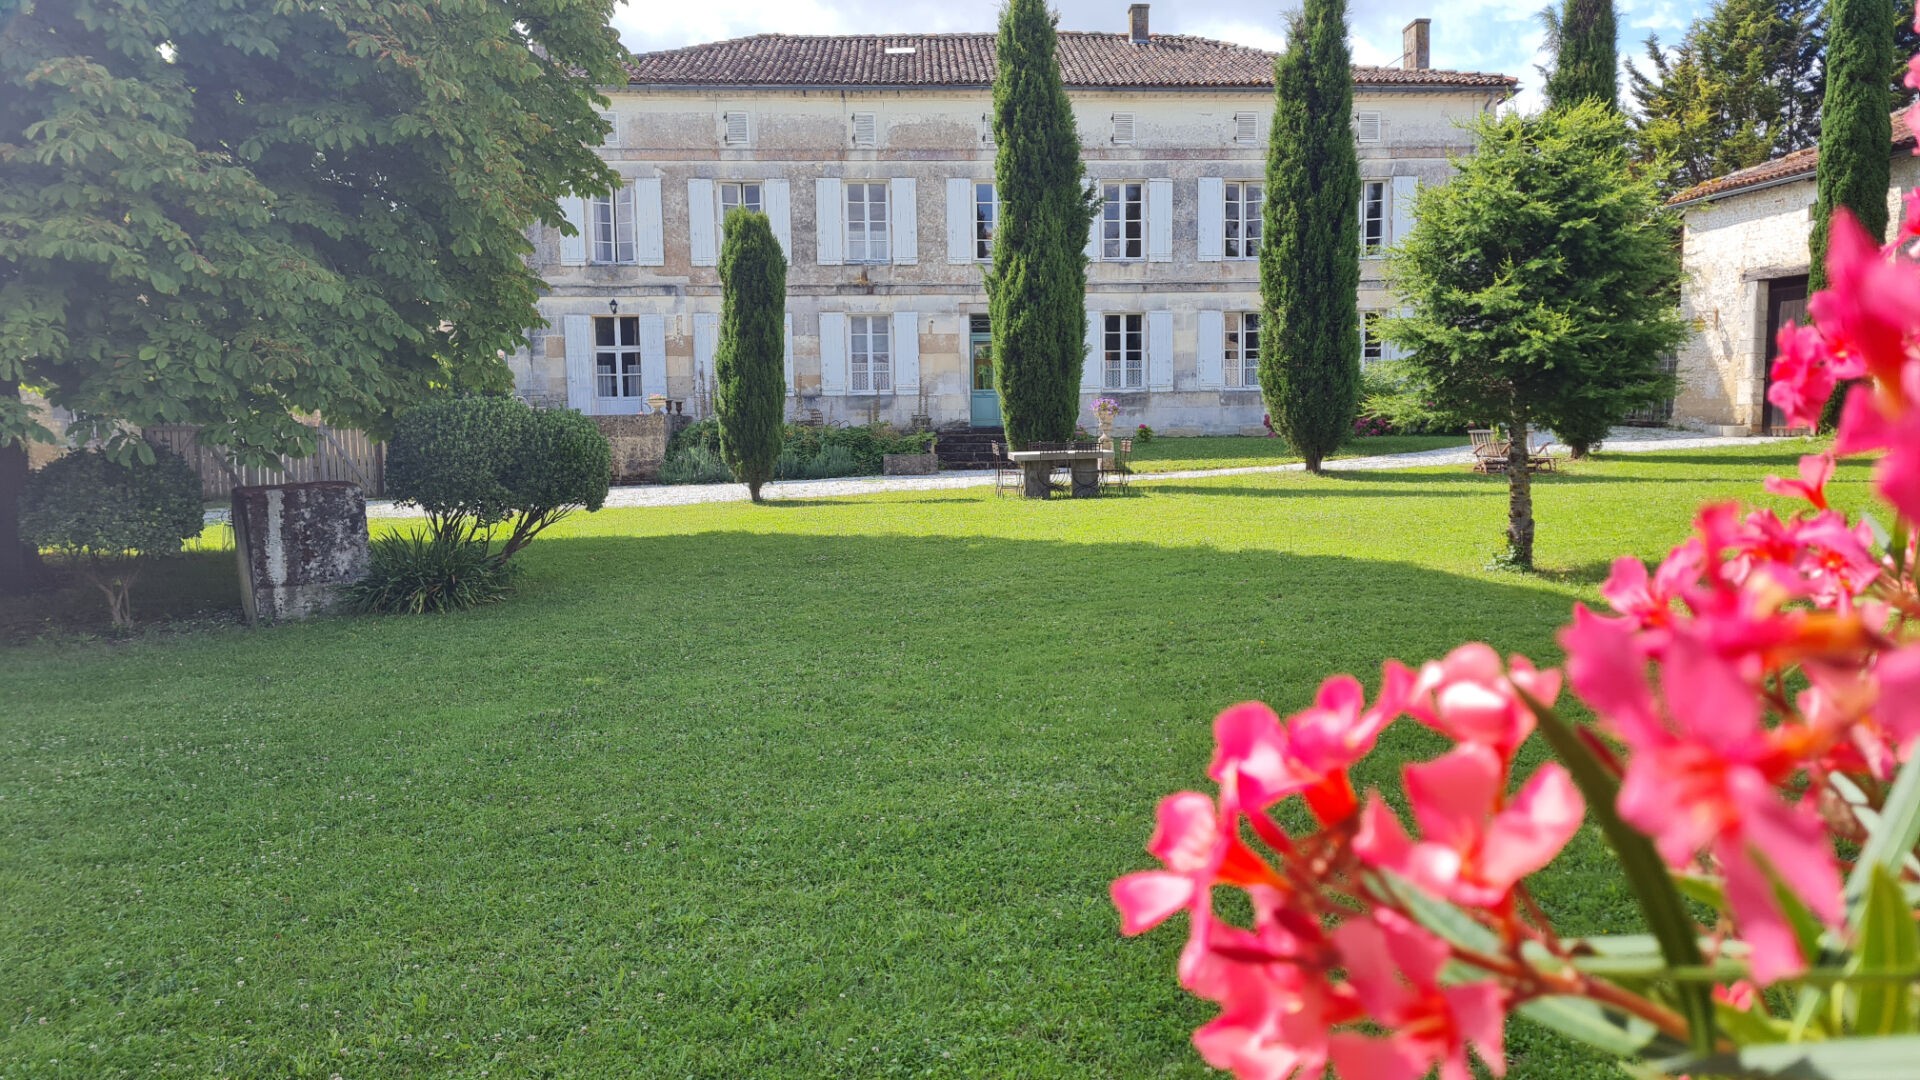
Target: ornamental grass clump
[
  {"x": 1751, "y": 764},
  {"x": 109, "y": 518}
]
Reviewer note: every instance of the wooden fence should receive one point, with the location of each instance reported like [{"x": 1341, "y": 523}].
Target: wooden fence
[{"x": 339, "y": 454}]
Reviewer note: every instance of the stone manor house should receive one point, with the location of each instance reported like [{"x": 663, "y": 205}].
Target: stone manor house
[{"x": 873, "y": 156}]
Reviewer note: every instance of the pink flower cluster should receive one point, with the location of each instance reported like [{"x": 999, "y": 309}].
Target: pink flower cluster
[{"x": 1732, "y": 684}]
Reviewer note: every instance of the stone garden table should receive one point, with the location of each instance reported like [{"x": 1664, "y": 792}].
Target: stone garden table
[{"x": 1038, "y": 465}]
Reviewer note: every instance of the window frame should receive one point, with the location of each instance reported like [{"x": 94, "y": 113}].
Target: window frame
[
  {"x": 866, "y": 366},
  {"x": 606, "y": 214},
  {"x": 757, "y": 205},
  {"x": 990, "y": 209},
  {"x": 1373, "y": 212},
  {"x": 1239, "y": 363},
  {"x": 1240, "y": 205},
  {"x": 1113, "y": 228},
  {"x": 1123, "y": 347},
  {"x": 1370, "y": 341},
  {"x": 623, "y": 357},
  {"x": 867, "y": 223}
]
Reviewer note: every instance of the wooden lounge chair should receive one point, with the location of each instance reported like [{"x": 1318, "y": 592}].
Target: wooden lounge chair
[
  {"x": 1489, "y": 453},
  {"x": 1539, "y": 455}
]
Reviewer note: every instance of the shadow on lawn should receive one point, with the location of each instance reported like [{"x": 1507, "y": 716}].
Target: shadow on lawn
[{"x": 967, "y": 734}]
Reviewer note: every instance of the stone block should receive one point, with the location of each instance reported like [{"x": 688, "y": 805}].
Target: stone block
[
  {"x": 909, "y": 464},
  {"x": 639, "y": 443},
  {"x": 297, "y": 544}
]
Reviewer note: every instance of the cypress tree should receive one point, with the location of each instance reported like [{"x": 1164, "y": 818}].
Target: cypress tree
[
  {"x": 1586, "y": 62},
  {"x": 1856, "y": 130},
  {"x": 748, "y": 363},
  {"x": 1036, "y": 290},
  {"x": 1309, "y": 253}
]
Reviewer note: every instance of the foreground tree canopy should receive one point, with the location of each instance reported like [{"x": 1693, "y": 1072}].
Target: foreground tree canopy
[
  {"x": 1544, "y": 284},
  {"x": 230, "y": 214}
]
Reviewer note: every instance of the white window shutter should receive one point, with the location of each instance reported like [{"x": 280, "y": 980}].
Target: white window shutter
[
  {"x": 778, "y": 200},
  {"x": 626, "y": 227},
  {"x": 906, "y": 352},
  {"x": 1093, "y": 230},
  {"x": 573, "y": 249},
  {"x": 706, "y": 341},
  {"x": 1092, "y": 372},
  {"x": 1210, "y": 350},
  {"x": 1404, "y": 189},
  {"x": 903, "y": 205},
  {"x": 1160, "y": 220},
  {"x": 1212, "y": 218},
  {"x": 827, "y": 216},
  {"x": 1159, "y": 350},
  {"x": 959, "y": 220},
  {"x": 1123, "y": 129},
  {"x": 650, "y": 235},
  {"x": 866, "y": 129},
  {"x": 701, "y": 210},
  {"x": 578, "y": 332},
  {"x": 791, "y": 388},
  {"x": 653, "y": 354},
  {"x": 736, "y": 130},
  {"x": 833, "y": 353},
  {"x": 1246, "y": 128}
]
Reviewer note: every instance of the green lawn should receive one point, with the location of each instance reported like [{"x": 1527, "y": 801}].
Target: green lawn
[
  {"x": 814, "y": 789},
  {"x": 1170, "y": 454}
]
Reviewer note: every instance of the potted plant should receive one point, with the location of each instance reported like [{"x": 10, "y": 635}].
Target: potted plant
[{"x": 1104, "y": 410}]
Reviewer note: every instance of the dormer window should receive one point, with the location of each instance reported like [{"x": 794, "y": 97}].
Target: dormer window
[
  {"x": 1366, "y": 127},
  {"x": 735, "y": 130},
  {"x": 866, "y": 129},
  {"x": 1123, "y": 129}
]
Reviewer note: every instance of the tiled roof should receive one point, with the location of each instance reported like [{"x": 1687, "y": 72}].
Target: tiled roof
[
  {"x": 1086, "y": 59},
  {"x": 1800, "y": 163}
]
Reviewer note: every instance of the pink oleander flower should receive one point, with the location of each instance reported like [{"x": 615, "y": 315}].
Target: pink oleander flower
[
  {"x": 1259, "y": 761},
  {"x": 1703, "y": 776},
  {"x": 1393, "y": 966},
  {"x": 1815, "y": 471},
  {"x": 1803, "y": 377},
  {"x": 1470, "y": 696},
  {"x": 1473, "y": 849},
  {"x": 1867, "y": 424},
  {"x": 1870, "y": 302},
  {"x": 1197, "y": 851}
]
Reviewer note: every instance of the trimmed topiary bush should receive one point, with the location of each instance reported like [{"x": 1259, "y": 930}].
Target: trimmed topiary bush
[
  {"x": 474, "y": 463},
  {"x": 109, "y": 517},
  {"x": 419, "y": 572}
]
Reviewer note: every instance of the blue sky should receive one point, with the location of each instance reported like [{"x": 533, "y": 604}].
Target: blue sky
[{"x": 1476, "y": 35}]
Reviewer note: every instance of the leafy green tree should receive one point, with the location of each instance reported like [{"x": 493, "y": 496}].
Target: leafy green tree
[
  {"x": 749, "y": 364},
  {"x": 1036, "y": 290},
  {"x": 1856, "y": 131},
  {"x": 1586, "y": 63},
  {"x": 1310, "y": 240},
  {"x": 1544, "y": 283},
  {"x": 1726, "y": 98},
  {"x": 227, "y": 214},
  {"x": 109, "y": 518}
]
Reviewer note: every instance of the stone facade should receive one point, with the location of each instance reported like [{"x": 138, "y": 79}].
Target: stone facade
[
  {"x": 930, "y": 145},
  {"x": 1741, "y": 247},
  {"x": 639, "y": 443}
]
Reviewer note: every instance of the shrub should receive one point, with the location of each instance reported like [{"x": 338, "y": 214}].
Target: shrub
[
  {"x": 473, "y": 463},
  {"x": 109, "y": 517},
  {"x": 423, "y": 571},
  {"x": 1143, "y": 434},
  {"x": 1393, "y": 394},
  {"x": 695, "y": 465}
]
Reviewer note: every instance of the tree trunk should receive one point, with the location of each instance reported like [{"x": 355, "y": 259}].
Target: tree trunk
[
  {"x": 753, "y": 491},
  {"x": 1519, "y": 497},
  {"x": 19, "y": 564},
  {"x": 1313, "y": 464}
]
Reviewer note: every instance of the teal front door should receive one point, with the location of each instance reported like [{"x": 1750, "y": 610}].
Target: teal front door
[{"x": 986, "y": 400}]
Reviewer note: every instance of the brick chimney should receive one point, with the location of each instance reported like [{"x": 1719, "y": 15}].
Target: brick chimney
[
  {"x": 1137, "y": 24},
  {"x": 1416, "y": 45}
]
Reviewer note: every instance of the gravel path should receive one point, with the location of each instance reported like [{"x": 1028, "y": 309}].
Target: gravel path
[{"x": 1627, "y": 441}]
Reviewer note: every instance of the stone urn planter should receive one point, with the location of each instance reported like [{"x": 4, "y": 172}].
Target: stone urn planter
[{"x": 1104, "y": 410}]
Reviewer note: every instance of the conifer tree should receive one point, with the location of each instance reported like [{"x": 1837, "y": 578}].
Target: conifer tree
[
  {"x": 749, "y": 362},
  {"x": 1856, "y": 130},
  {"x": 1586, "y": 61},
  {"x": 1036, "y": 290},
  {"x": 1310, "y": 246}
]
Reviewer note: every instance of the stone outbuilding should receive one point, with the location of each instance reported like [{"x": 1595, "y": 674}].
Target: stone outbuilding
[{"x": 1746, "y": 244}]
